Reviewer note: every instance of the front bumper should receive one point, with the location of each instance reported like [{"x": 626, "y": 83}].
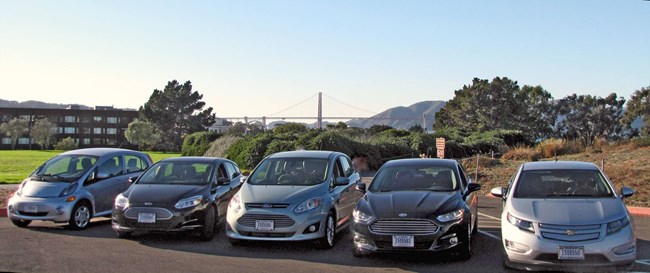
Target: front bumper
[
  {"x": 45, "y": 209},
  {"x": 288, "y": 226},
  {"x": 531, "y": 251},
  {"x": 166, "y": 220},
  {"x": 447, "y": 236}
]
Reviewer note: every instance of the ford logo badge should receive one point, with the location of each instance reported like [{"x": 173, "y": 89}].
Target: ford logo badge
[
  {"x": 267, "y": 206},
  {"x": 148, "y": 204},
  {"x": 403, "y": 214},
  {"x": 570, "y": 232}
]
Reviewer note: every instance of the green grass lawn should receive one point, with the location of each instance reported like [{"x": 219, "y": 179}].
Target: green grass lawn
[{"x": 17, "y": 165}]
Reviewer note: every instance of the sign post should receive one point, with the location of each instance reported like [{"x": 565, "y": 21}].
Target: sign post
[{"x": 440, "y": 147}]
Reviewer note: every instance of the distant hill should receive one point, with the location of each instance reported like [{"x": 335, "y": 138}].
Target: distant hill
[
  {"x": 37, "y": 104},
  {"x": 403, "y": 117}
]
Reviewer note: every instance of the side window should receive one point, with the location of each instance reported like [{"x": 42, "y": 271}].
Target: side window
[
  {"x": 134, "y": 163},
  {"x": 232, "y": 170},
  {"x": 346, "y": 166},
  {"x": 110, "y": 168},
  {"x": 463, "y": 176},
  {"x": 221, "y": 172}
]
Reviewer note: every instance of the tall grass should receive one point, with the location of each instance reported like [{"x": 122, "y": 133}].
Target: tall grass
[{"x": 17, "y": 165}]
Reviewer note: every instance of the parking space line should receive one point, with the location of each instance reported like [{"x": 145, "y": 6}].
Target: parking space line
[
  {"x": 490, "y": 235},
  {"x": 644, "y": 262},
  {"x": 489, "y": 216}
]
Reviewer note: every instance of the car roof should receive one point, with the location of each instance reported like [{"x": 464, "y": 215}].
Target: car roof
[
  {"x": 450, "y": 163},
  {"x": 195, "y": 159},
  {"x": 558, "y": 165},
  {"x": 304, "y": 153},
  {"x": 99, "y": 151}
]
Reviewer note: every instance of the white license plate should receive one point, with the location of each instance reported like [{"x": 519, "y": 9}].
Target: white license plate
[
  {"x": 264, "y": 225},
  {"x": 147, "y": 218},
  {"x": 571, "y": 253},
  {"x": 403, "y": 241},
  {"x": 31, "y": 208}
]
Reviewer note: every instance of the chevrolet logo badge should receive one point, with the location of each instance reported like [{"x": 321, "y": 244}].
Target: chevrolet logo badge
[
  {"x": 148, "y": 204},
  {"x": 402, "y": 215},
  {"x": 570, "y": 232}
]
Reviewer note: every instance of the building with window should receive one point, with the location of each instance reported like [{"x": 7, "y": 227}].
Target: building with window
[{"x": 103, "y": 126}]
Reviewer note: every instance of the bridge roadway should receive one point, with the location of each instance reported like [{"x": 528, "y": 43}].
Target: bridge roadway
[{"x": 48, "y": 247}]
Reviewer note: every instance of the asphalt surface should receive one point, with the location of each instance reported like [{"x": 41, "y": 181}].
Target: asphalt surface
[{"x": 49, "y": 247}]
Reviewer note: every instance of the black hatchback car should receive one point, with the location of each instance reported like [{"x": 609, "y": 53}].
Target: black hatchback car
[
  {"x": 417, "y": 205},
  {"x": 177, "y": 194}
]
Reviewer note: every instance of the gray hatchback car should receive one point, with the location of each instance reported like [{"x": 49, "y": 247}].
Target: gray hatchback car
[
  {"x": 560, "y": 215},
  {"x": 294, "y": 196},
  {"x": 75, "y": 186}
]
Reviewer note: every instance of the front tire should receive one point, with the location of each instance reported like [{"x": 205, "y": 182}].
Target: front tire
[
  {"x": 465, "y": 249},
  {"x": 80, "y": 216},
  {"x": 207, "y": 232},
  {"x": 327, "y": 241},
  {"x": 21, "y": 223}
]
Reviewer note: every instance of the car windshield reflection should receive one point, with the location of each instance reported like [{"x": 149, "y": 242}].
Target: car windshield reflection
[
  {"x": 188, "y": 173},
  {"x": 290, "y": 171},
  {"x": 562, "y": 184},
  {"x": 64, "y": 168}
]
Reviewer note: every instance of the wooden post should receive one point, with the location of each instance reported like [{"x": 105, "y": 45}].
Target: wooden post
[{"x": 477, "y": 162}]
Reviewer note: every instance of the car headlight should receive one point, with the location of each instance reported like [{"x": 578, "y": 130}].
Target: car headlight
[
  {"x": 121, "y": 202},
  {"x": 362, "y": 218},
  {"x": 451, "y": 216},
  {"x": 189, "y": 202},
  {"x": 309, "y": 204},
  {"x": 68, "y": 190},
  {"x": 522, "y": 224},
  {"x": 615, "y": 226},
  {"x": 235, "y": 204}
]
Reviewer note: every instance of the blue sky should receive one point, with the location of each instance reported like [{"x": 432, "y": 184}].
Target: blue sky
[{"x": 255, "y": 58}]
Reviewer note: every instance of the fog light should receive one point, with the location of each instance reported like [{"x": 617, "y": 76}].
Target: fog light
[
  {"x": 453, "y": 241},
  {"x": 312, "y": 228},
  {"x": 516, "y": 247},
  {"x": 59, "y": 210},
  {"x": 625, "y": 248},
  {"x": 362, "y": 243}
]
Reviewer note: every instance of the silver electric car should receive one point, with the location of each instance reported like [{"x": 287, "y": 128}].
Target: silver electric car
[
  {"x": 293, "y": 196},
  {"x": 560, "y": 215},
  {"x": 75, "y": 186}
]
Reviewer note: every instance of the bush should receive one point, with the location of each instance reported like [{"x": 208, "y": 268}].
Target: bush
[
  {"x": 552, "y": 147},
  {"x": 66, "y": 144},
  {"x": 642, "y": 142},
  {"x": 219, "y": 147},
  {"x": 522, "y": 154},
  {"x": 198, "y": 143}
]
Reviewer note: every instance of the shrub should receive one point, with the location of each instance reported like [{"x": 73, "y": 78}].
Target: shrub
[
  {"x": 198, "y": 143},
  {"x": 551, "y": 147},
  {"x": 522, "y": 154},
  {"x": 219, "y": 147},
  {"x": 66, "y": 144},
  {"x": 642, "y": 142}
]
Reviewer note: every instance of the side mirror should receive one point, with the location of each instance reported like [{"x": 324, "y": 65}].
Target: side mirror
[
  {"x": 223, "y": 181},
  {"x": 626, "y": 192},
  {"x": 361, "y": 187},
  {"x": 243, "y": 178},
  {"x": 471, "y": 187},
  {"x": 133, "y": 179},
  {"x": 90, "y": 177},
  {"x": 103, "y": 175},
  {"x": 497, "y": 192},
  {"x": 341, "y": 181}
]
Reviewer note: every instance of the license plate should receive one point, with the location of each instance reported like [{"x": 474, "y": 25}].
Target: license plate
[
  {"x": 403, "y": 241},
  {"x": 264, "y": 225},
  {"x": 571, "y": 253},
  {"x": 147, "y": 218},
  {"x": 31, "y": 208}
]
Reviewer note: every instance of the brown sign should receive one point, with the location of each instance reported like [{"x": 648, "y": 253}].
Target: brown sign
[{"x": 440, "y": 147}]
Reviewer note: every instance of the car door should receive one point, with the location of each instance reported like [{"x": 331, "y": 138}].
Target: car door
[
  {"x": 224, "y": 190},
  {"x": 109, "y": 180},
  {"x": 472, "y": 198},
  {"x": 347, "y": 194}
]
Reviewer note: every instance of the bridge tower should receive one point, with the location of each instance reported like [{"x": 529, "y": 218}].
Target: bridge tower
[{"x": 319, "y": 119}]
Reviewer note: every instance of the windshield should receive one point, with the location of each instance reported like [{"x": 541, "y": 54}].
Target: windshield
[
  {"x": 64, "y": 168},
  {"x": 290, "y": 171},
  {"x": 562, "y": 183},
  {"x": 413, "y": 178},
  {"x": 189, "y": 173}
]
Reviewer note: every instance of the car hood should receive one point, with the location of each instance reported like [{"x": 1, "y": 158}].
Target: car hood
[
  {"x": 43, "y": 189},
  {"x": 416, "y": 204},
  {"x": 161, "y": 194},
  {"x": 568, "y": 211},
  {"x": 278, "y": 194}
]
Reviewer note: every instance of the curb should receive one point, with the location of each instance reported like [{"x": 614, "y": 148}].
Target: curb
[{"x": 3, "y": 212}]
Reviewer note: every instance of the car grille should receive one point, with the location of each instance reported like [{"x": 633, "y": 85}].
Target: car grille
[
  {"x": 161, "y": 213},
  {"x": 388, "y": 245},
  {"x": 589, "y": 259},
  {"x": 279, "y": 221},
  {"x": 267, "y": 234},
  {"x": 404, "y": 226},
  {"x": 266, "y": 205},
  {"x": 570, "y": 233}
]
